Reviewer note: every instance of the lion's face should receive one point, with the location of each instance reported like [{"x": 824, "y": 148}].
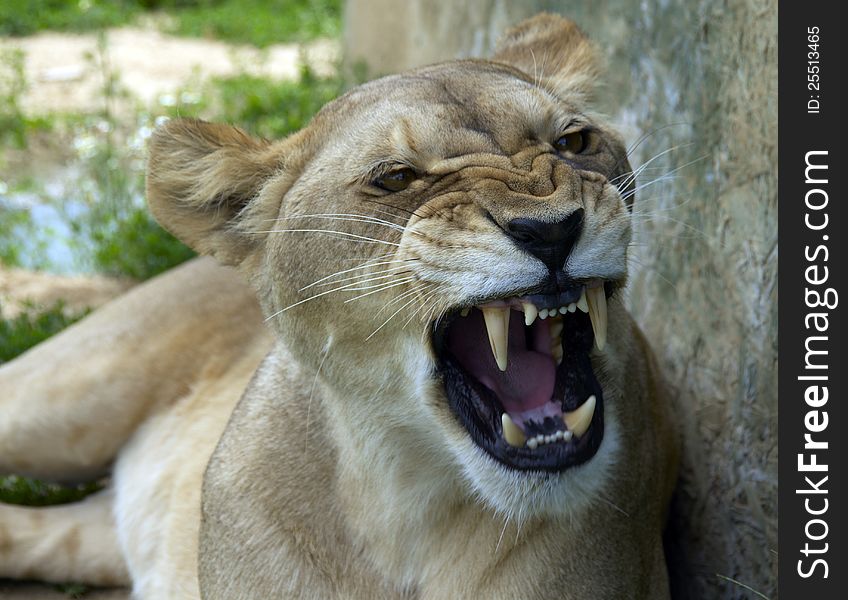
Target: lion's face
[{"x": 444, "y": 247}]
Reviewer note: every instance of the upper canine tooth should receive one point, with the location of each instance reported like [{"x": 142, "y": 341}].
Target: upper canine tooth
[
  {"x": 530, "y": 313},
  {"x": 579, "y": 419},
  {"x": 497, "y": 326},
  {"x": 597, "y": 300},
  {"x": 464, "y": 312},
  {"x": 511, "y": 432},
  {"x": 581, "y": 304}
]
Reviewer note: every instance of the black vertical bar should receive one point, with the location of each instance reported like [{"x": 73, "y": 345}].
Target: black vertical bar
[{"x": 813, "y": 227}]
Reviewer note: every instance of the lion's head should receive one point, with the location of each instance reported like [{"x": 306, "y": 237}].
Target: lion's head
[{"x": 443, "y": 247}]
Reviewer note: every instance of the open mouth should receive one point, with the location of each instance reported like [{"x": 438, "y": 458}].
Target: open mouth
[{"x": 518, "y": 375}]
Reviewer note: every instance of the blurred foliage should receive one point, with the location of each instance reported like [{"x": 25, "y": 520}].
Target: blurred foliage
[
  {"x": 12, "y": 222},
  {"x": 258, "y": 22},
  {"x": 271, "y": 109},
  {"x": 14, "y": 124},
  {"x": 136, "y": 246},
  {"x": 30, "y": 492},
  {"x": 25, "y": 17},
  {"x": 102, "y": 196},
  {"x": 19, "y": 334}
]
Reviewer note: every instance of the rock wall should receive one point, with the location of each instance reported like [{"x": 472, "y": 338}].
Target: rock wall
[{"x": 694, "y": 86}]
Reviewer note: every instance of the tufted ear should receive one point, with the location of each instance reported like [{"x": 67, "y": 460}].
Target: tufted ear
[
  {"x": 203, "y": 185},
  {"x": 553, "y": 51}
]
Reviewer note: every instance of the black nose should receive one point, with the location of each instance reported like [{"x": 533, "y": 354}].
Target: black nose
[{"x": 549, "y": 242}]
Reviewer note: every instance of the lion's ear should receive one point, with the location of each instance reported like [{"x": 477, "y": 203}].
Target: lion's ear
[
  {"x": 553, "y": 51},
  {"x": 203, "y": 182}
]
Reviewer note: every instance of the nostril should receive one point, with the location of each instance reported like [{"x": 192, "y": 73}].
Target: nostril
[
  {"x": 550, "y": 242},
  {"x": 522, "y": 230}
]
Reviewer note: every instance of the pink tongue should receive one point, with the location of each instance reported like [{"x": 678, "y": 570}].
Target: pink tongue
[{"x": 528, "y": 381}]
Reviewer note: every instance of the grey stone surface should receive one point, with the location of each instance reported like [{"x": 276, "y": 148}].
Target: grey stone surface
[{"x": 699, "y": 80}]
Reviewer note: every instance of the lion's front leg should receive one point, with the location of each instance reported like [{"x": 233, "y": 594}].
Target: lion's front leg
[{"x": 68, "y": 405}]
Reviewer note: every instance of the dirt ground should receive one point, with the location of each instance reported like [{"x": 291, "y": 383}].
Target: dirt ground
[{"x": 65, "y": 72}]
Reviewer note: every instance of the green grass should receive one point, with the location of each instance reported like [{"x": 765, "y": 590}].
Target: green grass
[
  {"x": 257, "y": 22},
  {"x": 26, "y": 17},
  {"x": 15, "y": 126},
  {"x": 123, "y": 238},
  {"x": 271, "y": 109},
  {"x": 137, "y": 247},
  {"x": 21, "y": 333},
  {"x": 30, "y": 492}
]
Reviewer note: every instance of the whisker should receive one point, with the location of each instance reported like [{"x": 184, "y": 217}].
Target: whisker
[
  {"x": 349, "y": 217},
  {"x": 426, "y": 298},
  {"x": 359, "y": 281},
  {"x": 331, "y": 231},
  {"x": 664, "y": 177},
  {"x": 364, "y": 266},
  {"x": 648, "y": 267},
  {"x": 324, "y": 293},
  {"x": 641, "y": 168},
  {"x": 397, "y": 298},
  {"x": 373, "y": 333},
  {"x": 384, "y": 287},
  {"x": 384, "y": 273},
  {"x": 645, "y": 136},
  {"x": 409, "y": 212}
]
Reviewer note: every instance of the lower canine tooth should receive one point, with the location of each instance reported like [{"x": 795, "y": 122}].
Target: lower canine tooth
[
  {"x": 512, "y": 433},
  {"x": 555, "y": 329},
  {"x": 597, "y": 300},
  {"x": 578, "y": 420},
  {"x": 556, "y": 351},
  {"x": 497, "y": 326}
]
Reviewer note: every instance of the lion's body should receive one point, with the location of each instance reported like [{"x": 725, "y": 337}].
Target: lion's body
[{"x": 342, "y": 472}]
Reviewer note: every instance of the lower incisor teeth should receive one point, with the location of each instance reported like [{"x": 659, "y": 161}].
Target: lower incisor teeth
[
  {"x": 579, "y": 419},
  {"x": 511, "y": 432},
  {"x": 542, "y": 440}
]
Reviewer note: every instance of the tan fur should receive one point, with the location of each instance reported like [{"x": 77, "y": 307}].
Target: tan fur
[{"x": 342, "y": 472}]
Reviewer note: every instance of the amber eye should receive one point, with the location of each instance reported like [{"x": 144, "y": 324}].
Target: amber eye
[
  {"x": 396, "y": 180},
  {"x": 574, "y": 142}
]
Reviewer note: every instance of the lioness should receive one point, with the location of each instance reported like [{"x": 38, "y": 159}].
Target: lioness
[{"x": 454, "y": 402}]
